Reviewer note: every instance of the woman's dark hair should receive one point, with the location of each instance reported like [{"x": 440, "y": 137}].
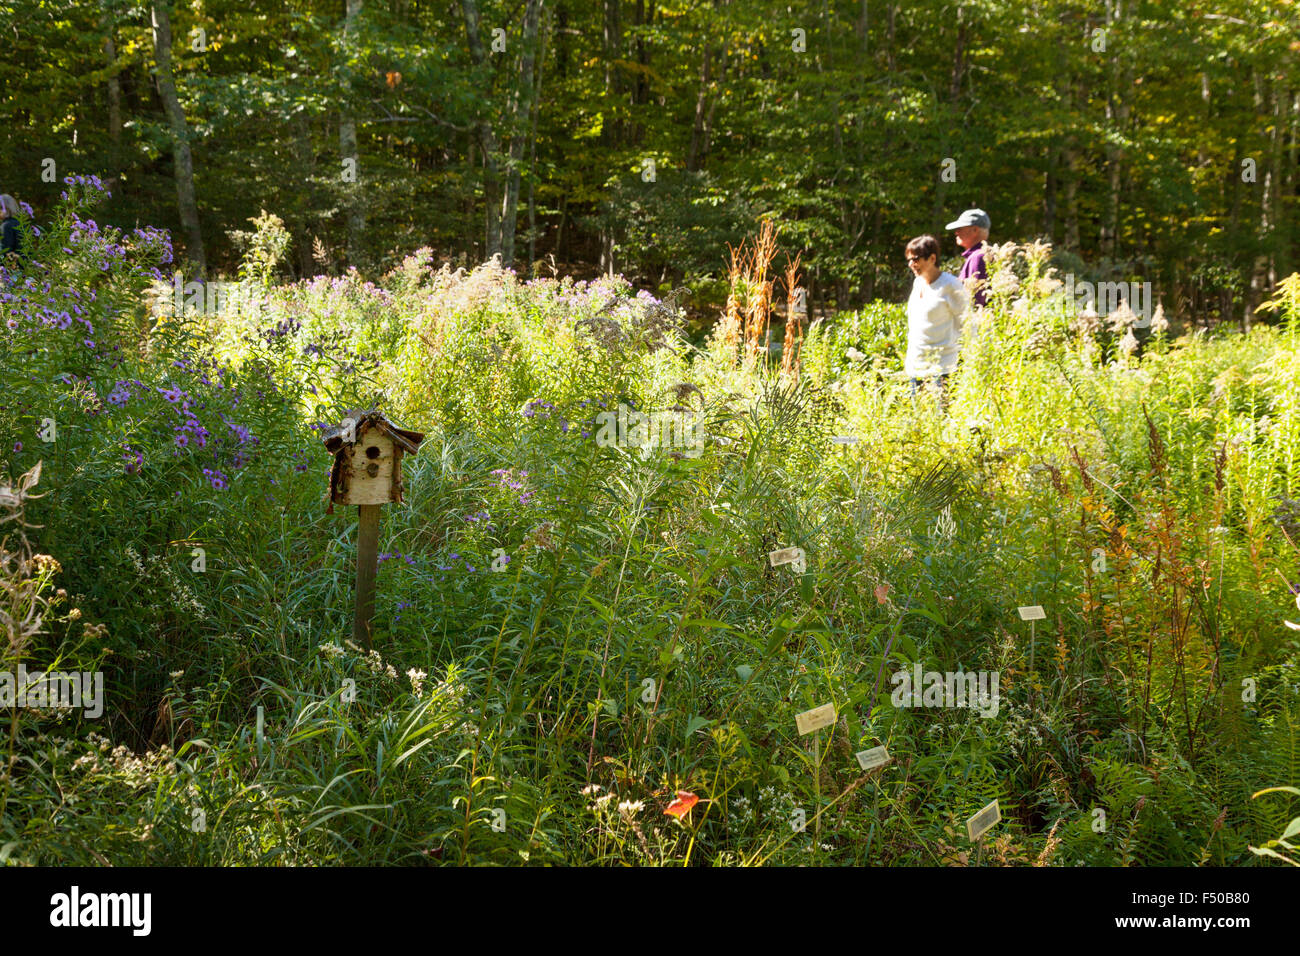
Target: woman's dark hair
[{"x": 924, "y": 247}]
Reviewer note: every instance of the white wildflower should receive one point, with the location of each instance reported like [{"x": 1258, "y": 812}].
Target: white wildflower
[
  {"x": 1085, "y": 322},
  {"x": 1159, "y": 323},
  {"x": 1121, "y": 318},
  {"x": 1004, "y": 283},
  {"x": 1038, "y": 251},
  {"x": 1129, "y": 344},
  {"x": 1046, "y": 286}
]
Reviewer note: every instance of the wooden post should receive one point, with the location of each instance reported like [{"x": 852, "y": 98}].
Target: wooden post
[
  {"x": 367, "y": 472},
  {"x": 1031, "y": 665},
  {"x": 367, "y": 568}
]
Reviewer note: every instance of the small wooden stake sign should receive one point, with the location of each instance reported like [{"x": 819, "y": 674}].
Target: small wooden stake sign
[
  {"x": 367, "y": 472},
  {"x": 795, "y": 557},
  {"x": 873, "y": 758},
  {"x": 983, "y": 821},
  {"x": 815, "y": 719},
  {"x": 807, "y": 722},
  {"x": 1032, "y": 613}
]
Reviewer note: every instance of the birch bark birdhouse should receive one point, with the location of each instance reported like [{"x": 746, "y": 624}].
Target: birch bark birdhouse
[{"x": 368, "y": 450}]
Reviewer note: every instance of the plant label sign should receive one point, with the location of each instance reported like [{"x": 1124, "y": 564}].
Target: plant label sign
[
  {"x": 815, "y": 719},
  {"x": 794, "y": 556},
  {"x": 845, "y": 439},
  {"x": 983, "y": 821},
  {"x": 1033, "y": 612},
  {"x": 873, "y": 758}
]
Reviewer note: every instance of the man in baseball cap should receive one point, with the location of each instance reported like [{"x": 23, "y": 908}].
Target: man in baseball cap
[{"x": 972, "y": 228}]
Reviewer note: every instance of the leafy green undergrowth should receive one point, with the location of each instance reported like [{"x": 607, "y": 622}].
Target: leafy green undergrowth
[{"x": 572, "y": 638}]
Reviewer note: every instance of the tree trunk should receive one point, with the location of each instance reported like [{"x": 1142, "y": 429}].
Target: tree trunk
[
  {"x": 532, "y": 140},
  {"x": 114, "y": 85},
  {"x": 695, "y": 155},
  {"x": 183, "y": 161},
  {"x": 1275, "y": 177},
  {"x": 830, "y": 65},
  {"x": 641, "y": 92},
  {"x": 891, "y": 12},
  {"x": 1117, "y": 112},
  {"x": 348, "y": 151},
  {"x": 1067, "y": 172},
  {"x": 606, "y": 246},
  {"x": 1071, "y": 226},
  {"x": 613, "y": 42},
  {"x": 958, "y": 58},
  {"x": 487, "y": 139},
  {"x": 519, "y": 130},
  {"x": 562, "y": 40},
  {"x": 302, "y": 146},
  {"x": 1263, "y": 273},
  {"x": 559, "y": 232},
  {"x": 1049, "y": 194},
  {"x": 954, "y": 94}
]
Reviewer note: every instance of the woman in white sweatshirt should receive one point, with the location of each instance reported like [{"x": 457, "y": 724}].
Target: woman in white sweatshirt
[{"x": 934, "y": 314}]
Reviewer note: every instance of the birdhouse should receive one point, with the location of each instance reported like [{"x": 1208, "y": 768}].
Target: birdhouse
[{"x": 368, "y": 450}]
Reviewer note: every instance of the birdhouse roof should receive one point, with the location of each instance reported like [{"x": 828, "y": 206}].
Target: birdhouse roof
[{"x": 403, "y": 438}]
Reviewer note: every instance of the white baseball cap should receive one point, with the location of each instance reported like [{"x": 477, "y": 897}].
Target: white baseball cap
[{"x": 971, "y": 217}]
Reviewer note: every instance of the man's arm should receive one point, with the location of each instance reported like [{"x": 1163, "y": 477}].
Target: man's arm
[{"x": 958, "y": 301}]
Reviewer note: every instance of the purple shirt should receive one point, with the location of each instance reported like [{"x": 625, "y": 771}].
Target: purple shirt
[{"x": 974, "y": 267}]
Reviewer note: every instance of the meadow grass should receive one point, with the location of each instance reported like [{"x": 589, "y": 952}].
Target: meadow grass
[{"x": 568, "y": 635}]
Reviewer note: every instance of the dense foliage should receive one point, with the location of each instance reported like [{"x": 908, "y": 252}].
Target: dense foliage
[
  {"x": 1155, "y": 141},
  {"x": 571, "y": 633}
]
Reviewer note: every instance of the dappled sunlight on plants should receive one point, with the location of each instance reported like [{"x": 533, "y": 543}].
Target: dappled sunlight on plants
[{"x": 583, "y": 652}]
